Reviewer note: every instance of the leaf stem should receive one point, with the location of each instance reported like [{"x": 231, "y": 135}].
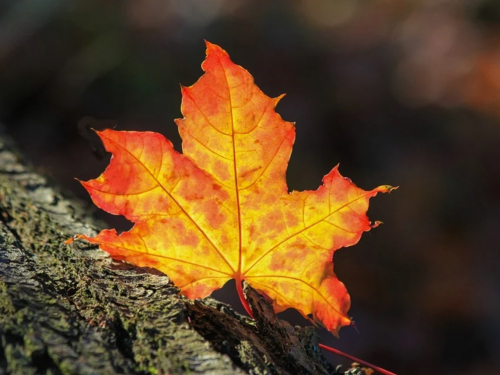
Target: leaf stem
[
  {"x": 243, "y": 300},
  {"x": 352, "y": 358}
]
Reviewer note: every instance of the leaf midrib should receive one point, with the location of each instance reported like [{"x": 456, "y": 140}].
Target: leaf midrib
[{"x": 237, "y": 274}]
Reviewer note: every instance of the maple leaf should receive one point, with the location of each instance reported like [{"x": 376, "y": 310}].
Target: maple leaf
[{"x": 222, "y": 210}]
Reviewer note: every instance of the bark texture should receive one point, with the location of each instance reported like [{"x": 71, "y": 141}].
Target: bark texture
[{"x": 73, "y": 310}]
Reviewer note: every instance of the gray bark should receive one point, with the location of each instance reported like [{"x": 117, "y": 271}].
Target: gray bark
[{"x": 71, "y": 309}]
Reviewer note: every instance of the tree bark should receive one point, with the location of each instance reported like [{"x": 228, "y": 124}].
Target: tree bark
[{"x": 71, "y": 309}]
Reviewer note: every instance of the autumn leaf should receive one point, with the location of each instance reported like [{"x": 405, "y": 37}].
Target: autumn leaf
[{"x": 222, "y": 210}]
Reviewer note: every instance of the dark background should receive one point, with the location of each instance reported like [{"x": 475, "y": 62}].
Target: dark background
[{"x": 400, "y": 92}]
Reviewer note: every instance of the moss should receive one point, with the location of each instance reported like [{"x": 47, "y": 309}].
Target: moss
[{"x": 6, "y": 306}]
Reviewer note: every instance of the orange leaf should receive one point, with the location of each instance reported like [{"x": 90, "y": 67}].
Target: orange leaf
[{"x": 221, "y": 210}]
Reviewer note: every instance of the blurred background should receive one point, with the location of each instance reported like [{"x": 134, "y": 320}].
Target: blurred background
[{"x": 400, "y": 92}]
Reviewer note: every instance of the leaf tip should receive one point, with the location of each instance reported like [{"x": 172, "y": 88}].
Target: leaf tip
[
  {"x": 385, "y": 189},
  {"x": 277, "y": 99},
  {"x": 345, "y": 321},
  {"x": 391, "y": 188},
  {"x": 184, "y": 89},
  {"x": 214, "y": 48},
  {"x": 76, "y": 237},
  {"x": 85, "y": 184}
]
